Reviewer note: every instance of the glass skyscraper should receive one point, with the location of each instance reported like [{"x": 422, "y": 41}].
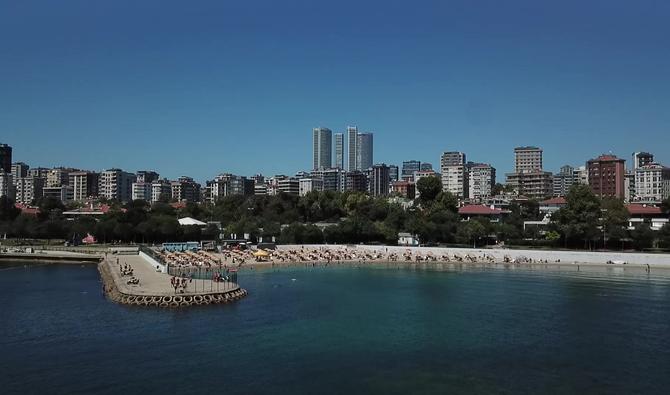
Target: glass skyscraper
[{"x": 322, "y": 141}]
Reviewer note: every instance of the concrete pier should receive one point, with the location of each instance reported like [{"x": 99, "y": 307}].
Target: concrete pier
[{"x": 155, "y": 289}]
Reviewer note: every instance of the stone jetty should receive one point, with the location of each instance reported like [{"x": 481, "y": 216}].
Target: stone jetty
[{"x": 154, "y": 287}]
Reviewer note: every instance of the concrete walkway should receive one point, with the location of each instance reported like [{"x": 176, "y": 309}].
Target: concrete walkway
[{"x": 156, "y": 283}]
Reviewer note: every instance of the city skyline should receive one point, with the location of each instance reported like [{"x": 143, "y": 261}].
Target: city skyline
[{"x": 455, "y": 76}]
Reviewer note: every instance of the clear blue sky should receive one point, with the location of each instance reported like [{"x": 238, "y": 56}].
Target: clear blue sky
[{"x": 203, "y": 87}]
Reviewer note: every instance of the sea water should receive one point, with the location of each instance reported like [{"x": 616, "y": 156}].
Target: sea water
[{"x": 342, "y": 330}]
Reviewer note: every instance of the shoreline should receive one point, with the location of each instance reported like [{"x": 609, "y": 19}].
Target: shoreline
[{"x": 438, "y": 266}]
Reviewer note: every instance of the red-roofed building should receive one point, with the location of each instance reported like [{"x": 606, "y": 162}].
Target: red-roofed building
[
  {"x": 552, "y": 205},
  {"x": 642, "y": 213},
  {"x": 479, "y": 210},
  {"x": 90, "y": 211},
  {"x": 178, "y": 205},
  {"x": 25, "y": 209}
]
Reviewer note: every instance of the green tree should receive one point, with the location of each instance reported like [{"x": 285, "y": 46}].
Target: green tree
[
  {"x": 580, "y": 218},
  {"x": 614, "y": 220},
  {"x": 429, "y": 188},
  {"x": 8, "y": 211},
  {"x": 664, "y": 236},
  {"x": 643, "y": 237}
]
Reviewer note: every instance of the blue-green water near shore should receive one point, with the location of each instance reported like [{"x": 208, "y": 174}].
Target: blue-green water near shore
[{"x": 342, "y": 330}]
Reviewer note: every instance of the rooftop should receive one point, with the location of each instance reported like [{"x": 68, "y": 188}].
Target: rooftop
[
  {"x": 643, "y": 209},
  {"x": 554, "y": 201},
  {"x": 480, "y": 209}
]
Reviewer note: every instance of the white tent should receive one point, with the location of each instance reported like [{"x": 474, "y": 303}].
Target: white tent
[{"x": 190, "y": 221}]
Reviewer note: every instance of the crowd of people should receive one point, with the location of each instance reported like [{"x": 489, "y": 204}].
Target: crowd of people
[
  {"x": 186, "y": 262},
  {"x": 202, "y": 259},
  {"x": 339, "y": 254}
]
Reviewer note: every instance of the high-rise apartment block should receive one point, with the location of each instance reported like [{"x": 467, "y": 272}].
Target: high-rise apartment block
[
  {"x": 410, "y": 167},
  {"x": 454, "y": 174},
  {"x": 652, "y": 183},
  {"x": 84, "y": 184},
  {"x": 5, "y": 158},
  {"x": 360, "y": 149},
  {"x": 333, "y": 179},
  {"x": 339, "y": 151},
  {"x": 393, "y": 173},
  {"x": 352, "y": 147},
  {"x": 452, "y": 158},
  {"x": 116, "y": 184},
  {"x": 226, "y": 184},
  {"x": 322, "y": 140},
  {"x": 606, "y": 176},
  {"x": 185, "y": 189},
  {"x": 40, "y": 172},
  {"x": 308, "y": 184},
  {"x": 527, "y": 159},
  {"x": 455, "y": 180},
  {"x": 563, "y": 180},
  {"x": 19, "y": 169},
  {"x": 356, "y": 181},
  {"x": 529, "y": 179},
  {"x": 58, "y": 176},
  {"x": 6, "y": 184},
  {"x": 161, "y": 190},
  {"x": 28, "y": 189},
  {"x": 364, "y": 150},
  {"x": 481, "y": 180},
  {"x": 379, "y": 180}
]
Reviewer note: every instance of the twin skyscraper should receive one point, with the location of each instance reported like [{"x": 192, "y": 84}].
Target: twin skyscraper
[{"x": 358, "y": 153}]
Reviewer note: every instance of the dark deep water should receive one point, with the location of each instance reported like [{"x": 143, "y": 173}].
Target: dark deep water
[{"x": 342, "y": 330}]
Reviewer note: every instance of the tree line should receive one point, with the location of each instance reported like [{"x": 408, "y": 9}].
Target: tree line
[{"x": 348, "y": 217}]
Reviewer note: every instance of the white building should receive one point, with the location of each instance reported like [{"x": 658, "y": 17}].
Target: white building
[
  {"x": 289, "y": 185},
  {"x": 28, "y": 189},
  {"x": 141, "y": 191},
  {"x": 226, "y": 185},
  {"x": 455, "y": 180},
  {"x": 116, "y": 184},
  {"x": 160, "y": 190},
  {"x": 652, "y": 183},
  {"x": 308, "y": 185},
  {"x": 84, "y": 185},
  {"x": 481, "y": 179}
]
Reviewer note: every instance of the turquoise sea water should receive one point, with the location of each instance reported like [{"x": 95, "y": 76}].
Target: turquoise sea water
[{"x": 342, "y": 330}]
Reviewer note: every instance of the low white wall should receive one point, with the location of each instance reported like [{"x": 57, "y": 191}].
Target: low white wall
[
  {"x": 153, "y": 262},
  {"x": 499, "y": 254}
]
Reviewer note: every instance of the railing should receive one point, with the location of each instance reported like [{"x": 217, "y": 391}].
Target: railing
[{"x": 200, "y": 273}]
